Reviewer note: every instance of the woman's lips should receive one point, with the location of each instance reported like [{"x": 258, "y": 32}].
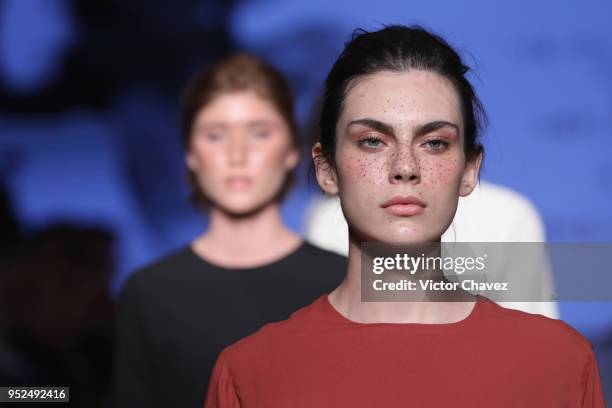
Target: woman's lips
[
  {"x": 404, "y": 206},
  {"x": 238, "y": 183}
]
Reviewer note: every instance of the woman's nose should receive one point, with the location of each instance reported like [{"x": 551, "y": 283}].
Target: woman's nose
[
  {"x": 404, "y": 165},
  {"x": 237, "y": 152}
]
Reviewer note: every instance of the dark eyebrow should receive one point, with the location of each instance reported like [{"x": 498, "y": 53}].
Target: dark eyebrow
[
  {"x": 260, "y": 122},
  {"x": 388, "y": 129},
  {"x": 435, "y": 125},
  {"x": 374, "y": 124},
  {"x": 212, "y": 124}
]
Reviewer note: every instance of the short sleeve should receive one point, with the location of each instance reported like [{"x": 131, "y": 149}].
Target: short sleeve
[
  {"x": 592, "y": 392},
  {"x": 221, "y": 390}
]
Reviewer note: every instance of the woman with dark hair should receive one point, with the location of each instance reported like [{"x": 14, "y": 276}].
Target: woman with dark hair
[
  {"x": 248, "y": 268},
  {"x": 399, "y": 145}
]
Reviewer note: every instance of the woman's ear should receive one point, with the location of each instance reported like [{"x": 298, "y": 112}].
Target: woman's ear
[
  {"x": 191, "y": 161},
  {"x": 469, "y": 179},
  {"x": 292, "y": 159},
  {"x": 325, "y": 171}
]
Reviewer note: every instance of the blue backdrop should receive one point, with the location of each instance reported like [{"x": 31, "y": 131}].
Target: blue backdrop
[{"x": 107, "y": 151}]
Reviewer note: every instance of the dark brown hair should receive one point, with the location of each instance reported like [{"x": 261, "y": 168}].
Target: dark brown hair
[
  {"x": 398, "y": 48},
  {"x": 236, "y": 73}
]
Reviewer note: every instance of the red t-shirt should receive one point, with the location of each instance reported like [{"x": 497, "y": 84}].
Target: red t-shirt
[{"x": 496, "y": 357}]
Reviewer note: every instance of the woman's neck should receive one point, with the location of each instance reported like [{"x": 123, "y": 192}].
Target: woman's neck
[
  {"x": 244, "y": 242},
  {"x": 346, "y": 299}
]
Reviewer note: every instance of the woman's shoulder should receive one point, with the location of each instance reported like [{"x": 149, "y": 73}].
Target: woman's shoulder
[
  {"x": 533, "y": 328},
  {"x": 278, "y": 335},
  {"x": 160, "y": 272},
  {"x": 314, "y": 252},
  {"x": 315, "y": 268}
]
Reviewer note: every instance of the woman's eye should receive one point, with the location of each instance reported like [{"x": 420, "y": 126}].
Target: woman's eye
[
  {"x": 437, "y": 144},
  {"x": 260, "y": 134},
  {"x": 214, "y": 136},
  {"x": 370, "y": 142}
]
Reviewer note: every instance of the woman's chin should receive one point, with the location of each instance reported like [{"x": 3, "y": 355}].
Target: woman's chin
[
  {"x": 243, "y": 208},
  {"x": 405, "y": 238},
  {"x": 401, "y": 235}
]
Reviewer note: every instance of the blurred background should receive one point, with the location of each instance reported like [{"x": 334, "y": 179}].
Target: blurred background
[{"x": 92, "y": 179}]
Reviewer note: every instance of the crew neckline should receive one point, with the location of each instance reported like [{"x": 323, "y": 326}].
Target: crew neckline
[
  {"x": 339, "y": 317},
  {"x": 281, "y": 259}
]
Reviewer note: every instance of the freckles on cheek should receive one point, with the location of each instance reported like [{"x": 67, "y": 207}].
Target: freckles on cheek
[
  {"x": 364, "y": 169},
  {"x": 440, "y": 171}
]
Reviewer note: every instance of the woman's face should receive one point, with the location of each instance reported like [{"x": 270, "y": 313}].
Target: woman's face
[
  {"x": 400, "y": 162},
  {"x": 241, "y": 152}
]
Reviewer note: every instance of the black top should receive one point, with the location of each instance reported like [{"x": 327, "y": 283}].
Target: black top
[{"x": 178, "y": 314}]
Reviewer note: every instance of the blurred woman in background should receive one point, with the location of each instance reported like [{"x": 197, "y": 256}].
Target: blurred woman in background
[{"x": 248, "y": 268}]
